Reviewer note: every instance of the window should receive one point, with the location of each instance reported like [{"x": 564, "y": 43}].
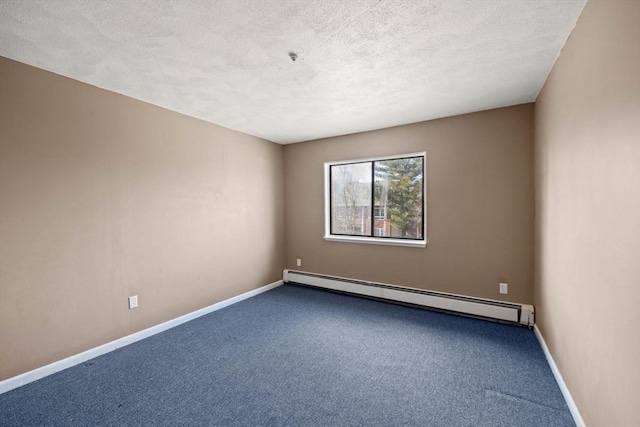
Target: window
[
  {"x": 380, "y": 212},
  {"x": 379, "y": 200}
]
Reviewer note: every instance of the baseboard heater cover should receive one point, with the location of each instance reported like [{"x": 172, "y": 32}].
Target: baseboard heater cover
[{"x": 522, "y": 314}]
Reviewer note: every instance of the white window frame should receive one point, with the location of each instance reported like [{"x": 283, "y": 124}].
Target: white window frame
[{"x": 369, "y": 239}]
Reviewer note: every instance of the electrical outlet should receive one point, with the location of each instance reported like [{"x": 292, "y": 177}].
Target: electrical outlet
[
  {"x": 133, "y": 301},
  {"x": 504, "y": 288},
  {"x": 298, "y": 262}
]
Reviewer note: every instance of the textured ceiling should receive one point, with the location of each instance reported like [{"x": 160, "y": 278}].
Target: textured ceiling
[{"x": 362, "y": 64}]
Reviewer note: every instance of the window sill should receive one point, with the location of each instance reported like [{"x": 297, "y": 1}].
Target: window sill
[{"x": 377, "y": 241}]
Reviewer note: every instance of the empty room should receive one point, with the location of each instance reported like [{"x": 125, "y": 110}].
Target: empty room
[{"x": 320, "y": 213}]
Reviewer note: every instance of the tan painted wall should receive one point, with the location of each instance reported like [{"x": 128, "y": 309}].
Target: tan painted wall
[
  {"x": 480, "y": 201},
  {"x": 588, "y": 213},
  {"x": 103, "y": 196}
]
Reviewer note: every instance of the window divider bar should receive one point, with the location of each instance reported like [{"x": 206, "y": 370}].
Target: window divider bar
[{"x": 373, "y": 195}]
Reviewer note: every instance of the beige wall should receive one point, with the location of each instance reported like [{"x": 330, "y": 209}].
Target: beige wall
[
  {"x": 480, "y": 206},
  {"x": 102, "y": 197},
  {"x": 587, "y": 166}
]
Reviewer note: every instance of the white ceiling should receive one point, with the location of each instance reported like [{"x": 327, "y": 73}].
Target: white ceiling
[{"x": 362, "y": 64}]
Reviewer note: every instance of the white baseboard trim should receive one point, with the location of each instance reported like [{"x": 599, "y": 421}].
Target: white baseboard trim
[
  {"x": 577, "y": 418},
  {"x": 38, "y": 373}
]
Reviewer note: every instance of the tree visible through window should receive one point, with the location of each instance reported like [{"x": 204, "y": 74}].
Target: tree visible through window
[{"x": 379, "y": 198}]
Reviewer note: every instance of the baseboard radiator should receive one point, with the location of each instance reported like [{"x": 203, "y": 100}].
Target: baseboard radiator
[{"x": 522, "y": 314}]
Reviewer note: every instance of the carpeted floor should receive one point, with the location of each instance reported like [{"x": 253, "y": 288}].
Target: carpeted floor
[{"x": 298, "y": 356}]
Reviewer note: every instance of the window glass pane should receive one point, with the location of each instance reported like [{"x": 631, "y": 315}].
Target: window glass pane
[
  {"x": 351, "y": 199},
  {"x": 398, "y": 197}
]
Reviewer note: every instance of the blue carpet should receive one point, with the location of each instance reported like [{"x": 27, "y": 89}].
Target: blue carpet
[{"x": 298, "y": 356}]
